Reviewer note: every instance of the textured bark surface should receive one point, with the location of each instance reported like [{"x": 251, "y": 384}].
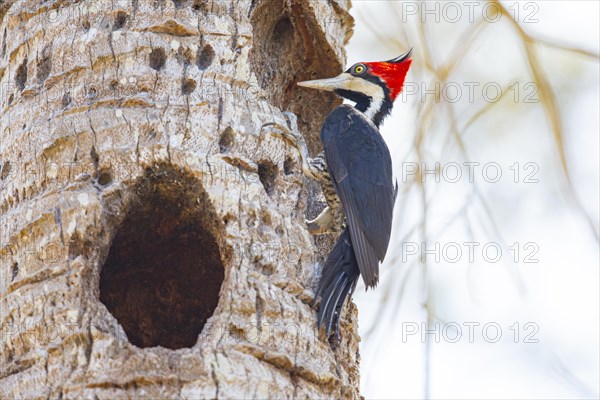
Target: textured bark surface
[{"x": 151, "y": 233}]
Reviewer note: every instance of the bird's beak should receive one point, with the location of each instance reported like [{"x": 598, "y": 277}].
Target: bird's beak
[{"x": 342, "y": 81}]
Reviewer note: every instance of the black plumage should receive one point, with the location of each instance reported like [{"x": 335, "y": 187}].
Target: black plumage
[
  {"x": 338, "y": 280},
  {"x": 360, "y": 167}
]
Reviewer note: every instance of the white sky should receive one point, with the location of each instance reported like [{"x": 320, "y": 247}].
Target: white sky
[{"x": 559, "y": 294}]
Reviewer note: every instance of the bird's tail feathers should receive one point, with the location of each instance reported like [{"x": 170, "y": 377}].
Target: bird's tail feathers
[{"x": 338, "y": 280}]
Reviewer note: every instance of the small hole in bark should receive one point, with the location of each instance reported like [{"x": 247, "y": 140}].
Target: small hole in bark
[
  {"x": 66, "y": 100},
  {"x": 179, "y": 3},
  {"x": 113, "y": 85},
  {"x": 94, "y": 155},
  {"x": 3, "y": 43},
  {"x": 251, "y": 220},
  {"x": 162, "y": 276},
  {"x": 205, "y": 57},
  {"x": 5, "y": 170},
  {"x": 21, "y": 75},
  {"x": 120, "y": 20},
  {"x": 105, "y": 178},
  {"x": 91, "y": 93},
  {"x": 10, "y": 99},
  {"x": 200, "y": 5},
  {"x": 267, "y": 173},
  {"x": 85, "y": 24},
  {"x": 44, "y": 65},
  {"x": 289, "y": 166},
  {"x": 265, "y": 217},
  {"x": 15, "y": 271},
  {"x": 188, "y": 86},
  {"x": 226, "y": 140},
  {"x": 151, "y": 134},
  {"x": 158, "y": 57}
]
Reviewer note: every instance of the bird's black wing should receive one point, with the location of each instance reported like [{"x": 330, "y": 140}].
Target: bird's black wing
[{"x": 360, "y": 166}]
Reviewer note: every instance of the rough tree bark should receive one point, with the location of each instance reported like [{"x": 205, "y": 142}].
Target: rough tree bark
[{"x": 152, "y": 241}]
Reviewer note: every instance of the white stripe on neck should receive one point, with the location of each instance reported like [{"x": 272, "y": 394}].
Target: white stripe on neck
[{"x": 377, "y": 98}]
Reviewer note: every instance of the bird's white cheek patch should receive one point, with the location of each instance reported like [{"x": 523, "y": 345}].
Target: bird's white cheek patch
[
  {"x": 374, "y": 91},
  {"x": 362, "y": 86}
]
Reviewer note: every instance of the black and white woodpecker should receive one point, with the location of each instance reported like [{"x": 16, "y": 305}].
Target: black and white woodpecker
[{"x": 355, "y": 171}]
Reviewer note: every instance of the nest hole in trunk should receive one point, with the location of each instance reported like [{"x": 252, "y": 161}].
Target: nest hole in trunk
[
  {"x": 289, "y": 47},
  {"x": 164, "y": 270}
]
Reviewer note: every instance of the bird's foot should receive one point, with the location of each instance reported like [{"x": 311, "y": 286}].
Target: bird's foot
[
  {"x": 315, "y": 229},
  {"x": 322, "y": 224}
]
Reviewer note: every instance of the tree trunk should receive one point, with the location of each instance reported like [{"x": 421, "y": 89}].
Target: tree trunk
[{"x": 152, "y": 242}]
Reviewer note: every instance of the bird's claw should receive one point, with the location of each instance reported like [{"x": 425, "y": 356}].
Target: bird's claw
[
  {"x": 313, "y": 227},
  {"x": 326, "y": 222}
]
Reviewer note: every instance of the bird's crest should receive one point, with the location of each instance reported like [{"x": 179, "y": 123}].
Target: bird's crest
[{"x": 392, "y": 72}]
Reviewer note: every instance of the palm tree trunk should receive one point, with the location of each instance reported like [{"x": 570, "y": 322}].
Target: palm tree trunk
[{"x": 152, "y": 242}]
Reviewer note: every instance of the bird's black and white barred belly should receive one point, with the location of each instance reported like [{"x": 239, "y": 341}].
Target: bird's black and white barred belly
[{"x": 321, "y": 174}]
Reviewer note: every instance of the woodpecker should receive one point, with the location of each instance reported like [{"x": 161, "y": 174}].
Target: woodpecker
[{"x": 355, "y": 173}]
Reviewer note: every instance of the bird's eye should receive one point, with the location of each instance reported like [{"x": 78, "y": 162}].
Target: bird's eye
[{"x": 359, "y": 69}]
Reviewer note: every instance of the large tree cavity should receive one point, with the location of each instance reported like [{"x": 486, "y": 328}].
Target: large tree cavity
[
  {"x": 283, "y": 54},
  {"x": 164, "y": 270}
]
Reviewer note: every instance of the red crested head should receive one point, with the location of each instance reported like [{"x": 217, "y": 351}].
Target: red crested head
[
  {"x": 373, "y": 86},
  {"x": 392, "y": 72}
]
